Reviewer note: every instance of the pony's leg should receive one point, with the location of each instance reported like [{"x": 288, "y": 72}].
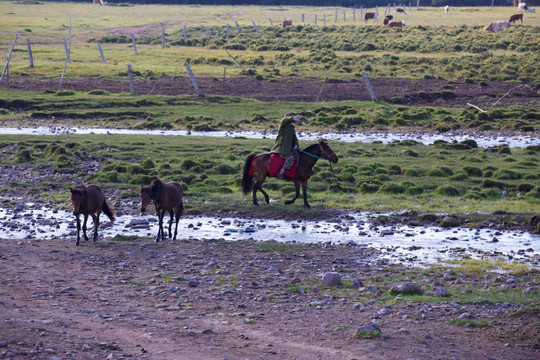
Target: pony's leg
[
  {"x": 84, "y": 227},
  {"x": 171, "y": 212},
  {"x": 160, "y": 236},
  {"x": 96, "y": 225},
  {"x": 304, "y": 193},
  {"x": 78, "y": 229},
  {"x": 255, "y": 187},
  {"x": 177, "y": 215},
  {"x": 266, "y": 197},
  {"x": 297, "y": 193}
]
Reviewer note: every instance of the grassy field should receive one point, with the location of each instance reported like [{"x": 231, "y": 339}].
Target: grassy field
[
  {"x": 444, "y": 177},
  {"x": 452, "y": 47}
]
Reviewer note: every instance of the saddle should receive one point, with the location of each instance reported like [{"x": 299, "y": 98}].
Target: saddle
[{"x": 276, "y": 164}]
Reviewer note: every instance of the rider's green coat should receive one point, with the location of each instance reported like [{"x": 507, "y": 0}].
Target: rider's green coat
[{"x": 286, "y": 138}]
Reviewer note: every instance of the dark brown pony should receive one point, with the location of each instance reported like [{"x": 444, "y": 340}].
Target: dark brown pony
[
  {"x": 89, "y": 200},
  {"x": 166, "y": 198},
  {"x": 261, "y": 165}
]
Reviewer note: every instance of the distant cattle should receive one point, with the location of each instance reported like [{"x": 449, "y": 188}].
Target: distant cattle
[
  {"x": 516, "y": 2},
  {"x": 400, "y": 10},
  {"x": 370, "y": 15},
  {"x": 399, "y": 24},
  {"x": 523, "y": 7},
  {"x": 497, "y": 25},
  {"x": 100, "y": 2},
  {"x": 446, "y": 9},
  {"x": 387, "y": 19},
  {"x": 285, "y": 23},
  {"x": 514, "y": 18}
]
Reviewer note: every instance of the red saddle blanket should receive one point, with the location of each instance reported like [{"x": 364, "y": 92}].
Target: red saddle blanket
[{"x": 276, "y": 164}]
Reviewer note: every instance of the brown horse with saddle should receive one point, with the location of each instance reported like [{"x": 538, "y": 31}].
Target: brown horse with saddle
[{"x": 260, "y": 164}]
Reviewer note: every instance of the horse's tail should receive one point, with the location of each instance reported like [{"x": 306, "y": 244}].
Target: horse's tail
[
  {"x": 247, "y": 179},
  {"x": 108, "y": 210}
]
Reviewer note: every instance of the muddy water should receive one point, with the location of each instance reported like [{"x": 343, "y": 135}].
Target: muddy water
[
  {"x": 367, "y": 137},
  {"x": 413, "y": 245}
]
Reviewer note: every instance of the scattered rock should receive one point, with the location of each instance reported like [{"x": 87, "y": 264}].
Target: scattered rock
[
  {"x": 331, "y": 279},
  {"x": 406, "y": 288}
]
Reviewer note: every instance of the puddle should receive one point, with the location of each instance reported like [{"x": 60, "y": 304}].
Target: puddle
[
  {"x": 366, "y": 137},
  {"x": 405, "y": 244}
]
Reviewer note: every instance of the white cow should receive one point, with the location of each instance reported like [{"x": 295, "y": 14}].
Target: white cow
[
  {"x": 446, "y": 9},
  {"x": 522, "y": 7},
  {"x": 497, "y": 25}
]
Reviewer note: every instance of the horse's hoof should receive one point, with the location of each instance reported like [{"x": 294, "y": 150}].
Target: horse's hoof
[{"x": 307, "y": 206}]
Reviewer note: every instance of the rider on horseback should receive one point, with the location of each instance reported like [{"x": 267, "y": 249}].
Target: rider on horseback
[{"x": 286, "y": 141}]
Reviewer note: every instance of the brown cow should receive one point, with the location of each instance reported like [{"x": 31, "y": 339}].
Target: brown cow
[
  {"x": 514, "y": 18},
  {"x": 370, "y": 15},
  {"x": 516, "y": 2},
  {"x": 285, "y": 23},
  {"x": 387, "y": 19},
  {"x": 401, "y": 10},
  {"x": 399, "y": 24}
]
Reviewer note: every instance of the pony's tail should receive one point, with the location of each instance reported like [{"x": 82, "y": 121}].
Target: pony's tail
[
  {"x": 109, "y": 211},
  {"x": 247, "y": 180}
]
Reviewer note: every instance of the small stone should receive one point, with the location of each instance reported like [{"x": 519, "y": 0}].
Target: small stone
[
  {"x": 357, "y": 283},
  {"x": 331, "y": 279},
  {"x": 373, "y": 328},
  {"x": 3, "y": 344},
  {"x": 466, "y": 315},
  {"x": 208, "y": 332},
  {"x": 406, "y": 288},
  {"x": 193, "y": 283},
  {"x": 441, "y": 292}
]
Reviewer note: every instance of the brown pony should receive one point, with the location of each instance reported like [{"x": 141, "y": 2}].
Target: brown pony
[
  {"x": 261, "y": 165},
  {"x": 89, "y": 200},
  {"x": 166, "y": 198}
]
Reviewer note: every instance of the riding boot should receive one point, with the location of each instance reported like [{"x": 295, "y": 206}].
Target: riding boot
[{"x": 281, "y": 175}]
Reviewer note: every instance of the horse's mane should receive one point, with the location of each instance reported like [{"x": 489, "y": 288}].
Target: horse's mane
[
  {"x": 155, "y": 186},
  {"x": 314, "y": 146}
]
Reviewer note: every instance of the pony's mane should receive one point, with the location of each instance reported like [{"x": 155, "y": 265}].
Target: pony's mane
[{"x": 311, "y": 147}]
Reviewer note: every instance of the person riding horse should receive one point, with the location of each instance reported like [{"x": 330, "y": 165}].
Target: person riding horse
[{"x": 286, "y": 142}]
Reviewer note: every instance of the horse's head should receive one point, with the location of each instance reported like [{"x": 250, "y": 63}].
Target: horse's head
[
  {"x": 326, "y": 152},
  {"x": 76, "y": 196},
  {"x": 146, "y": 197}
]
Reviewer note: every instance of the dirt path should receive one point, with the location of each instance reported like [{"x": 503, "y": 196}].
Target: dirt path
[
  {"x": 402, "y": 91},
  {"x": 219, "y": 300}
]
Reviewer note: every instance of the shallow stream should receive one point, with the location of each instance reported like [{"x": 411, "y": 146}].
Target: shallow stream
[
  {"x": 367, "y": 137},
  {"x": 397, "y": 243}
]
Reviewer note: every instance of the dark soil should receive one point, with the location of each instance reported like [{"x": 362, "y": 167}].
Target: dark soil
[
  {"x": 211, "y": 299},
  {"x": 393, "y": 90}
]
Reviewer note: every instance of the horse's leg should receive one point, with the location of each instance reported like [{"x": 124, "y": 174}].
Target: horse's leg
[
  {"x": 171, "y": 212},
  {"x": 255, "y": 187},
  {"x": 84, "y": 227},
  {"x": 297, "y": 192},
  {"x": 177, "y": 215},
  {"x": 161, "y": 214},
  {"x": 304, "y": 192},
  {"x": 96, "y": 225},
  {"x": 259, "y": 183},
  {"x": 78, "y": 229}
]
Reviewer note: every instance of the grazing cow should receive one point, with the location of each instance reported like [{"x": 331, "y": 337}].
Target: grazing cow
[
  {"x": 370, "y": 15},
  {"x": 399, "y": 24},
  {"x": 285, "y": 23},
  {"x": 387, "y": 19},
  {"x": 523, "y": 7},
  {"x": 100, "y": 2},
  {"x": 514, "y": 18},
  {"x": 516, "y": 2},
  {"x": 400, "y": 10},
  {"x": 497, "y": 25},
  {"x": 446, "y": 9}
]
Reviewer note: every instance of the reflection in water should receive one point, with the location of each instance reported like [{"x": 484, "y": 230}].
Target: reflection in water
[
  {"x": 385, "y": 137},
  {"x": 400, "y": 243}
]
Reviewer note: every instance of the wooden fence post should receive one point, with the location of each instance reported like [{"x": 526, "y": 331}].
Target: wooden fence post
[
  {"x": 361, "y": 12},
  {"x": 368, "y": 85},
  {"x": 134, "y": 44},
  {"x": 101, "y": 52},
  {"x": 207, "y": 31},
  {"x": 195, "y": 85},
  {"x": 67, "y": 53},
  {"x": 270, "y": 21},
  {"x": 162, "y": 37},
  {"x": 228, "y": 30},
  {"x": 302, "y": 19},
  {"x": 315, "y": 19},
  {"x": 238, "y": 27},
  {"x": 335, "y": 18},
  {"x": 354, "y": 14},
  {"x": 324, "y": 20},
  {"x": 8, "y": 58},
  {"x": 417, "y": 4},
  {"x": 30, "y": 53},
  {"x": 255, "y": 26},
  {"x": 130, "y": 76},
  {"x": 344, "y": 16},
  {"x": 185, "y": 33}
]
